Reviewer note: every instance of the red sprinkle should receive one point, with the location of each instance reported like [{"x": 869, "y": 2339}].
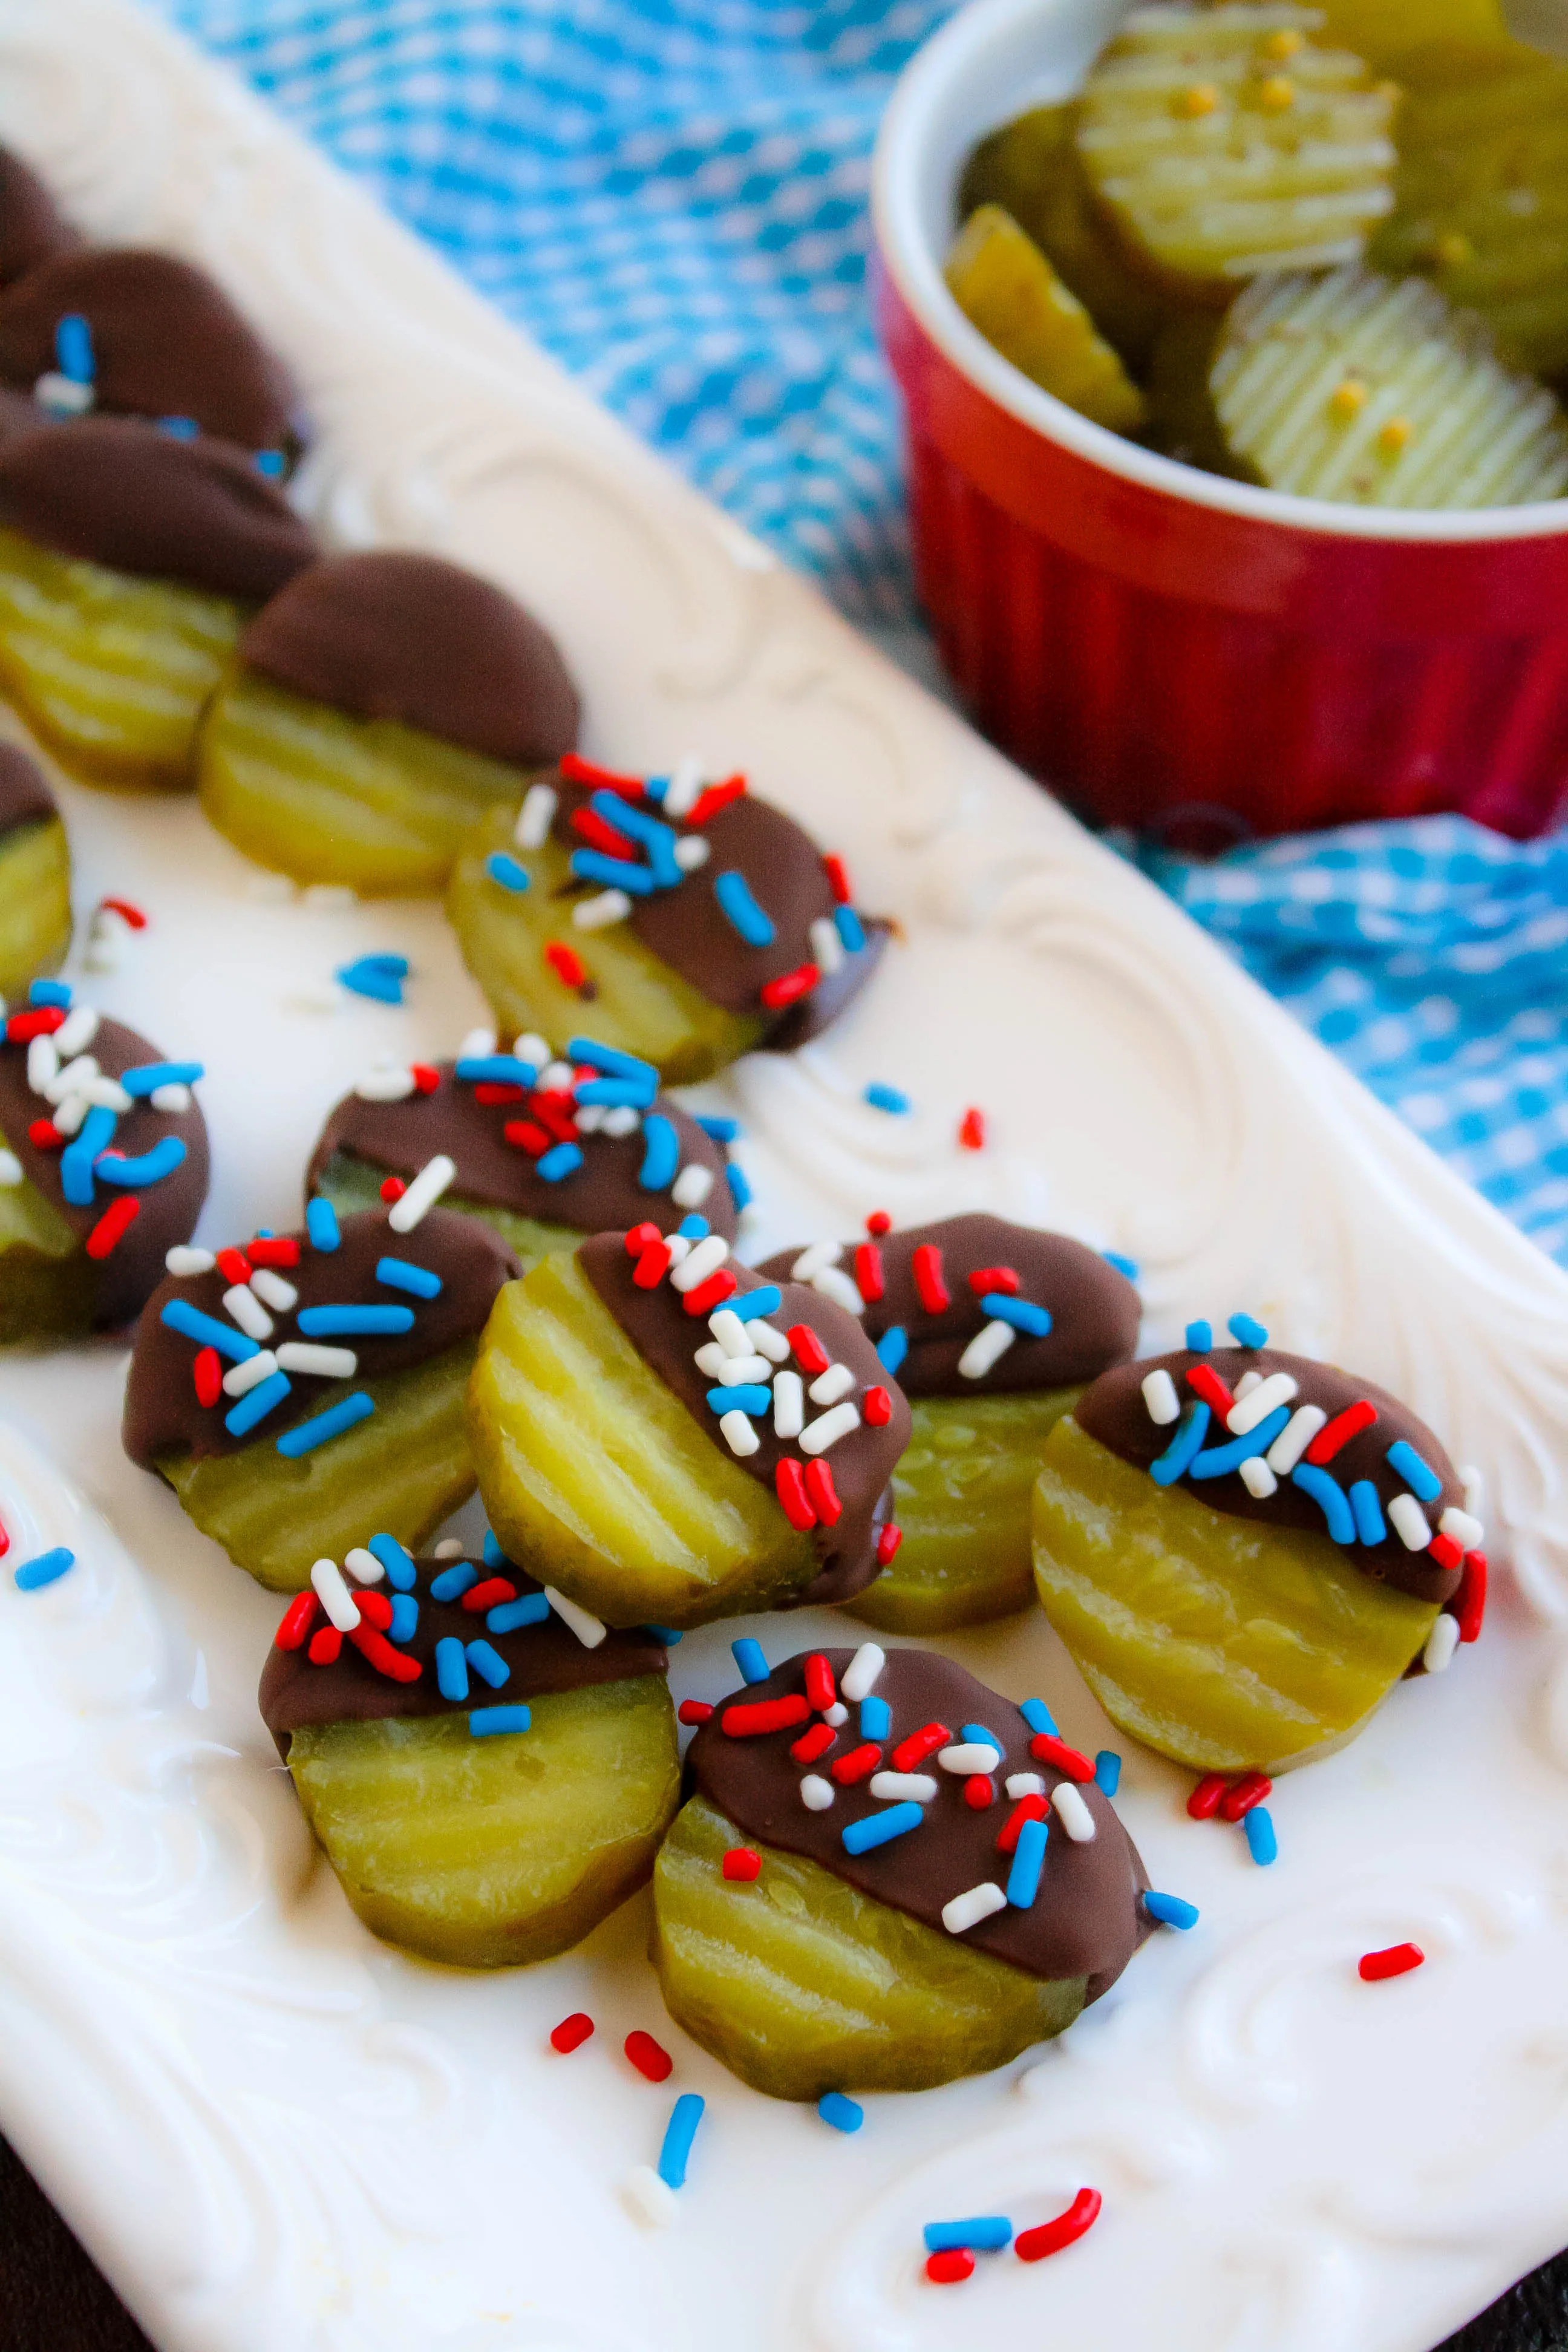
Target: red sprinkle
[
  {"x": 744, "y": 1862},
  {"x": 979, "y": 1791},
  {"x": 273, "y": 1249},
  {"x": 493, "y": 1092},
  {"x": 42, "y": 1021},
  {"x": 294, "y": 1625},
  {"x": 393, "y": 1188},
  {"x": 377, "y": 1652},
  {"x": 789, "y": 986},
  {"x": 1051, "y": 1750},
  {"x": 45, "y": 1136},
  {"x": 572, "y": 2032},
  {"x": 1243, "y": 1794},
  {"x": 376, "y": 1609},
  {"x": 4, "y": 1542},
  {"x": 837, "y": 875},
  {"x": 911, "y": 1753},
  {"x": 749, "y": 1721},
  {"x": 426, "y": 1077},
  {"x": 1395, "y": 1960},
  {"x": 971, "y": 1131},
  {"x": 951, "y": 2267},
  {"x": 644, "y": 1236},
  {"x": 1027, "y": 1809},
  {"x": 789, "y": 1485},
  {"x": 647, "y": 2057},
  {"x": 694, "y": 1710},
  {"x": 809, "y": 1352},
  {"x": 930, "y": 1281},
  {"x": 822, "y": 1493},
  {"x": 126, "y": 911},
  {"x": 1034, "y": 2245},
  {"x": 857, "y": 1765},
  {"x": 868, "y": 1272},
  {"x": 877, "y": 1224},
  {"x": 720, "y": 1285},
  {"x": 820, "y": 1687},
  {"x": 1442, "y": 1548},
  {"x": 994, "y": 1277},
  {"x": 1470, "y": 1602},
  {"x": 234, "y": 1266},
  {"x": 1340, "y": 1431},
  {"x": 652, "y": 1265},
  {"x": 556, "y": 1113},
  {"x": 208, "y": 1374},
  {"x": 1204, "y": 1802},
  {"x": 566, "y": 963},
  {"x": 489, "y": 1594},
  {"x": 1206, "y": 1383},
  {"x": 813, "y": 1743},
  {"x": 113, "y": 1226},
  {"x": 326, "y": 1643},
  {"x": 585, "y": 772},
  {"x": 599, "y": 834},
  {"x": 877, "y": 1408},
  {"x": 888, "y": 1539},
  {"x": 709, "y": 803},
  {"x": 527, "y": 1135}
]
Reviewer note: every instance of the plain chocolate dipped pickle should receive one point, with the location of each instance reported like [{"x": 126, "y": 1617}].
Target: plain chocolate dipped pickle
[{"x": 34, "y": 876}]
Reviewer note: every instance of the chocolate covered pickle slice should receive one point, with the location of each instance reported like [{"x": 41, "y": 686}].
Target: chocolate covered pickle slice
[
  {"x": 1243, "y": 1549},
  {"x": 488, "y": 1780},
  {"x": 103, "y": 1167},
  {"x": 939, "y": 1882},
  {"x": 309, "y": 1386},
  {"x": 668, "y": 1438},
  {"x": 547, "y": 1148},
  {"x": 697, "y": 921},
  {"x": 129, "y": 563},
  {"x": 377, "y": 707},
  {"x": 35, "y": 875}
]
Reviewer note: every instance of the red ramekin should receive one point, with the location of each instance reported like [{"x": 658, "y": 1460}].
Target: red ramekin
[{"x": 1156, "y": 644}]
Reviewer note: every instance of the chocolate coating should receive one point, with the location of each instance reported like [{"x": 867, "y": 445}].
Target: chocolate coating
[
  {"x": 1094, "y": 1310},
  {"x": 394, "y": 635},
  {"x": 1085, "y": 1920},
  {"x": 603, "y": 1192},
  {"x": 162, "y": 1413},
  {"x": 1113, "y": 1412},
  {"x": 659, "y": 1327},
  {"x": 167, "y": 342},
  {"x": 543, "y": 1658},
  {"x": 119, "y": 492},
  {"x": 31, "y": 230},
  {"x": 169, "y": 1209},
  {"x": 25, "y": 794}
]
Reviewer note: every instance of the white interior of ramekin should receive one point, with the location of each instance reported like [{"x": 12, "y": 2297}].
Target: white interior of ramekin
[{"x": 994, "y": 58}]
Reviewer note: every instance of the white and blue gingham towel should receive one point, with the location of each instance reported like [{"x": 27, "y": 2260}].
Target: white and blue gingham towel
[{"x": 671, "y": 194}]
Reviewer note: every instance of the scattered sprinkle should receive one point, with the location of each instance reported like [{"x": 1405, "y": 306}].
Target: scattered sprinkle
[
  {"x": 44, "y": 1568},
  {"x": 572, "y": 2032},
  {"x": 679, "y": 2133},
  {"x": 842, "y": 2113},
  {"x": 1051, "y": 2237},
  {"x": 651, "y": 2060},
  {"x": 888, "y": 1098},
  {"x": 1394, "y": 1960},
  {"x": 1261, "y": 1841},
  {"x": 1168, "y": 1910}
]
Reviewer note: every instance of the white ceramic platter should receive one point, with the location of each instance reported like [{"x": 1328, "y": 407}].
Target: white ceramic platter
[{"x": 278, "y": 2136}]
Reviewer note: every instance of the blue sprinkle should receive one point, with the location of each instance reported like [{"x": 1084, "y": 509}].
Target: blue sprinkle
[
  {"x": 401, "y": 1573},
  {"x": 658, "y": 839},
  {"x": 881, "y": 1828},
  {"x": 1184, "y": 1448},
  {"x": 511, "y": 1616},
  {"x": 977, "y": 1736},
  {"x": 610, "y": 1059},
  {"x": 844, "y": 2115},
  {"x": 876, "y": 1718},
  {"x": 851, "y": 930},
  {"x": 321, "y": 1223},
  {"x": 1261, "y": 1837},
  {"x": 1170, "y": 1910},
  {"x": 497, "y": 1070},
  {"x": 1028, "y": 1860},
  {"x": 722, "y": 1130},
  {"x": 747, "y": 1396},
  {"x": 1330, "y": 1497},
  {"x": 309, "y": 1434},
  {"x": 493, "y": 1555},
  {"x": 397, "y": 1274},
  {"x": 564, "y": 1160},
  {"x": 1366, "y": 1510},
  {"x": 1127, "y": 1266},
  {"x": 661, "y": 1153},
  {"x": 451, "y": 1670},
  {"x": 149, "y": 1075},
  {"x": 1200, "y": 1338},
  {"x": 43, "y": 1569},
  {"x": 987, "y": 2232},
  {"x": 95, "y": 1135},
  {"x": 269, "y": 463},
  {"x": 1248, "y": 1331},
  {"x": 51, "y": 992},
  {"x": 494, "y": 1722},
  {"x": 612, "y": 873},
  {"x": 678, "y": 2135},
  {"x": 1418, "y": 1475},
  {"x": 617, "y": 1094},
  {"x": 656, "y": 787},
  {"x": 375, "y": 977},
  {"x": 149, "y": 1168},
  {"x": 404, "y": 1618},
  {"x": 180, "y": 428},
  {"x": 748, "y": 1656},
  {"x": 694, "y": 1229},
  {"x": 1218, "y": 1459},
  {"x": 1108, "y": 1772},
  {"x": 257, "y": 1403},
  {"x": 454, "y": 1581},
  {"x": 751, "y": 1305},
  {"x": 1038, "y": 1717},
  {"x": 741, "y": 910},
  {"x": 73, "y": 348},
  {"x": 740, "y": 1185},
  {"x": 207, "y": 1331},
  {"x": 1018, "y": 1312},
  {"x": 346, "y": 1320},
  {"x": 665, "y": 1634},
  {"x": 892, "y": 1348},
  {"x": 505, "y": 869},
  {"x": 888, "y": 1099},
  {"x": 488, "y": 1663}
]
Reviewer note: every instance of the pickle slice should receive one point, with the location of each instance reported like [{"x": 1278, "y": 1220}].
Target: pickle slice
[
  {"x": 35, "y": 903},
  {"x": 961, "y": 1493},
  {"x": 801, "y": 1984},
  {"x": 1355, "y": 388},
  {"x": 351, "y": 1183},
  {"x": 1222, "y": 141},
  {"x": 489, "y": 1852},
  {"x": 111, "y": 672},
  {"x": 1389, "y": 33},
  {"x": 1226, "y": 1644},
  {"x": 402, "y": 1470},
  {"x": 598, "y": 1479},
  {"x": 639, "y": 1004},
  {"x": 1005, "y": 286},
  {"x": 47, "y": 1279}
]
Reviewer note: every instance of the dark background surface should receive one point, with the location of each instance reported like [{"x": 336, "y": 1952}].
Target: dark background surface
[{"x": 52, "y": 2299}]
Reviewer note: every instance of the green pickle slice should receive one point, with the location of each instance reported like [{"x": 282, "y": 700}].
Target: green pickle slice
[
  {"x": 326, "y": 796},
  {"x": 35, "y": 903},
  {"x": 402, "y": 1469},
  {"x": 109, "y": 671},
  {"x": 638, "y": 1003},
  {"x": 1228, "y": 1644},
  {"x": 489, "y": 1852},
  {"x": 351, "y": 1183},
  {"x": 1005, "y": 286},
  {"x": 801, "y": 1984},
  {"x": 47, "y": 1279},
  {"x": 598, "y": 1479},
  {"x": 963, "y": 1495}
]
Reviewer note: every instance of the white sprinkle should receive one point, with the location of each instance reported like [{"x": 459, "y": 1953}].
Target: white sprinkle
[
  {"x": 1068, "y": 1804},
  {"x": 311, "y": 1356},
  {"x": 1408, "y": 1521},
  {"x": 449, "y": 1548},
  {"x": 1441, "y": 1643},
  {"x": 967, "y": 1757},
  {"x": 679, "y": 1247},
  {"x": 729, "y": 1331},
  {"x": 477, "y": 1045},
  {"x": 966, "y": 1911},
  {"x": 247, "y": 1311},
  {"x": 1025, "y": 1784},
  {"x": 620, "y": 1119},
  {"x": 692, "y": 1186},
  {"x": 590, "y": 1629},
  {"x": 1295, "y": 1437},
  {"x": 838, "y": 1715},
  {"x": 183, "y": 1260},
  {"x": 76, "y": 1031},
  {"x": 330, "y": 897},
  {"x": 385, "y": 1086},
  {"x": 421, "y": 1194},
  {"x": 105, "y": 1094},
  {"x": 740, "y": 1433},
  {"x": 173, "y": 1099},
  {"x": 63, "y": 396},
  {"x": 69, "y": 1115},
  {"x": 986, "y": 1349},
  {"x": 273, "y": 1291},
  {"x": 711, "y": 1359},
  {"x": 829, "y": 1386},
  {"x": 341, "y": 1608},
  {"x": 810, "y": 1261},
  {"x": 70, "y": 1079},
  {"x": 324, "y": 997},
  {"x": 239, "y": 1378},
  {"x": 10, "y": 1168},
  {"x": 1258, "y": 1479},
  {"x": 735, "y": 1372},
  {"x": 1160, "y": 1396},
  {"x": 816, "y": 1793},
  {"x": 1247, "y": 1382},
  {"x": 652, "y": 2201},
  {"x": 535, "y": 817},
  {"x": 837, "y": 1287},
  {"x": 598, "y": 913},
  {"x": 364, "y": 1566},
  {"x": 691, "y": 851},
  {"x": 706, "y": 1258},
  {"x": 590, "y": 1118},
  {"x": 767, "y": 1340},
  {"x": 863, "y": 1673},
  {"x": 1464, "y": 1529},
  {"x": 1474, "y": 1483},
  {"x": 43, "y": 1064},
  {"x": 829, "y": 1427},
  {"x": 895, "y": 1787},
  {"x": 1267, "y": 1397},
  {"x": 530, "y": 1047},
  {"x": 685, "y": 788},
  {"x": 827, "y": 947}
]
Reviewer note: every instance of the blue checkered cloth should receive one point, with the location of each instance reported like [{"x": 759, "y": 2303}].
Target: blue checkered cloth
[{"x": 670, "y": 196}]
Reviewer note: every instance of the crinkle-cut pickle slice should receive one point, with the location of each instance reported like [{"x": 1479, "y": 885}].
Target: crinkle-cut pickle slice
[
  {"x": 1222, "y": 141},
  {"x": 351, "y": 1183},
  {"x": 598, "y": 1479},
  {"x": 1357, "y": 389},
  {"x": 961, "y": 1493},
  {"x": 639, "y": 1005},
  {"x": 1226, "y": 1644},
  {"x": 801, "y": 1984},
  {"x": 35, "y": 903},
  {"x": 47, "y": 1279},
  {"x": 1388, "y": 32},
  {"x": 326, "y": 796},
  {"x": 402, "y": 1470},
  {"x": 489, "y": 1852},
  {"x": 109, "y": 671},
  {"x": 1005, "y": 288}
]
